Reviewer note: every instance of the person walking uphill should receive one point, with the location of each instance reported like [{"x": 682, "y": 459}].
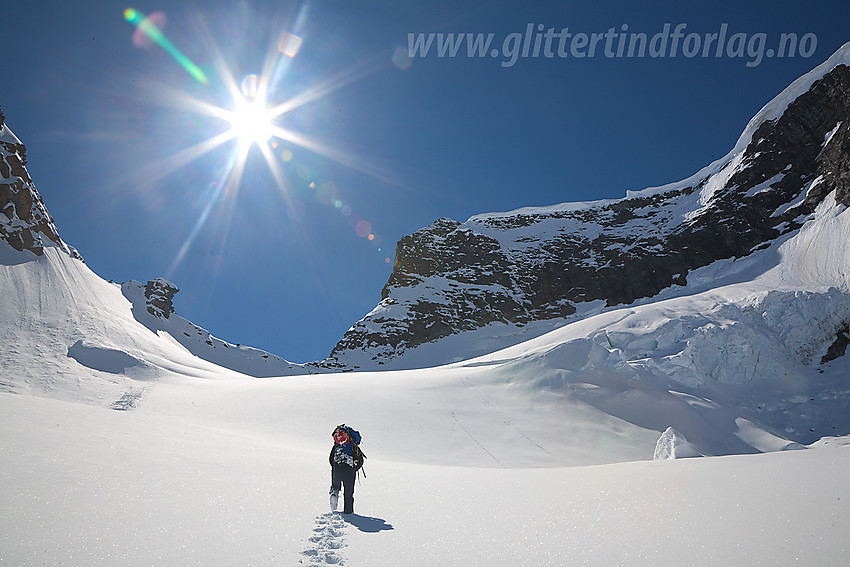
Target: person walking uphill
[{"x": 346, "y": 459}]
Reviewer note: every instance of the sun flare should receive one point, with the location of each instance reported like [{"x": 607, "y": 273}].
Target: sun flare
[
  {"x": 251, "y": 112},
  {"x": 251, "y": 122}
]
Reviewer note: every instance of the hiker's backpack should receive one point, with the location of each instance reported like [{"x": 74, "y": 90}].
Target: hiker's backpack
[{"x": 349, "y": 440}]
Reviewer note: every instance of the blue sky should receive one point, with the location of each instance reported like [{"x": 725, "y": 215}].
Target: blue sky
[{"x": 278, "y": 263}]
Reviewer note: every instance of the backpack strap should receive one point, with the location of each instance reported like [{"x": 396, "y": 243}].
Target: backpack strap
[{"x": 359, "y": 457}]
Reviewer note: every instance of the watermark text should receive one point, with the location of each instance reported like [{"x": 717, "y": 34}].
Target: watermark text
[{"x": 538, "y": 41}]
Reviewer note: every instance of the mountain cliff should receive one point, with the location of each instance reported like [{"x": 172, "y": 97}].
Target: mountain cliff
[
  {"x": 509, "y": 274},
  {"x": 25, "y": 222}
]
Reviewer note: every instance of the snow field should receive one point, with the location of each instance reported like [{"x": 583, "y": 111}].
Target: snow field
[
  {"x": 92, "y": 486},
  {"x": 447, "y": 416}
]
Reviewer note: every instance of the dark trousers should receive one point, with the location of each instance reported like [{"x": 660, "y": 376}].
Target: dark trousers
[{"x": 343, "y": 475}]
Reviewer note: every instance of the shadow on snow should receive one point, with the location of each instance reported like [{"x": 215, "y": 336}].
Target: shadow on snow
[{"x": 367, "y": 524}]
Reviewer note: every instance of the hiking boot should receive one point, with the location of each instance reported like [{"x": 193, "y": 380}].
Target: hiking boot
[{"x": 334, "y": 499}]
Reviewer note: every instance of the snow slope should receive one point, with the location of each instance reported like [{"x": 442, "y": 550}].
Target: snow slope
[
  {"x": 88, "y": 486},
  {"x": 756, "y": 346},
  {"x": 70, "y": 334},
  {"x": 58, "y": 318},
  {"x": 199, "y": 342}
]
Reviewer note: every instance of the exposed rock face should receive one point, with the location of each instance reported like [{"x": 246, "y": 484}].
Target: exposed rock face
[
  {"x": 536, "y": 264},
  {"x": 24, "y": 222},
  {"x": 159, "y": 294},
  {"x": 839, "y": 347}
]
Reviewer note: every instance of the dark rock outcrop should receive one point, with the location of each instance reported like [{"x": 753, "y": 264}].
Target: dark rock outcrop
[
  {"x": 159, "y": 294},
  {"x": 537, "y": 264},
  {"x": 24, "y": 222},
  {"x": 839, "y": 347}
]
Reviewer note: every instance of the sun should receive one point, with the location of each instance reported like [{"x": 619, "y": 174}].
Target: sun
[
  {"x": 251, "y": 122},
  {"x": 254, "y": 114}
]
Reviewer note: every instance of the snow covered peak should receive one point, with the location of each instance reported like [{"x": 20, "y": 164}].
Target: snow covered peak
[{"x": 6, "y": 134}]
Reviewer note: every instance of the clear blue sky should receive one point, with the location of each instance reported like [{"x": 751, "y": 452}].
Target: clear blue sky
[{"x": 281, "y": 267}]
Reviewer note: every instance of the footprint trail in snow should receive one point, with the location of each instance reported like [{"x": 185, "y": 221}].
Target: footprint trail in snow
[{"x": 327, "y": 539}]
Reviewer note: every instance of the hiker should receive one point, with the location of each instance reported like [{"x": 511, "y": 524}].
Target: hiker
[{"x": 346, "y": 459}]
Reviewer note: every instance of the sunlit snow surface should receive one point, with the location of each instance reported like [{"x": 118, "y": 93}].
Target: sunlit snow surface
[{"x": 90, "y": 486}]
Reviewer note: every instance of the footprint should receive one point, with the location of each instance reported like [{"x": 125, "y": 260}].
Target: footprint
[
  {"x": 328, "y": 537},
  {"x": 128, "y": 400}
]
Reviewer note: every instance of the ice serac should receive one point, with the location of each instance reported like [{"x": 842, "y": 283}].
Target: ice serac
[
  {"x": 672, "y": 445},
  {"x": 25, "y": 222},
  {"x": 554, "y": 263}
]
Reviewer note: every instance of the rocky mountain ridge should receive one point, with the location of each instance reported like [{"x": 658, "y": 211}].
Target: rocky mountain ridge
[
  {"x": 546, "y": 263},
  {"x": 25, "y": 222}
]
